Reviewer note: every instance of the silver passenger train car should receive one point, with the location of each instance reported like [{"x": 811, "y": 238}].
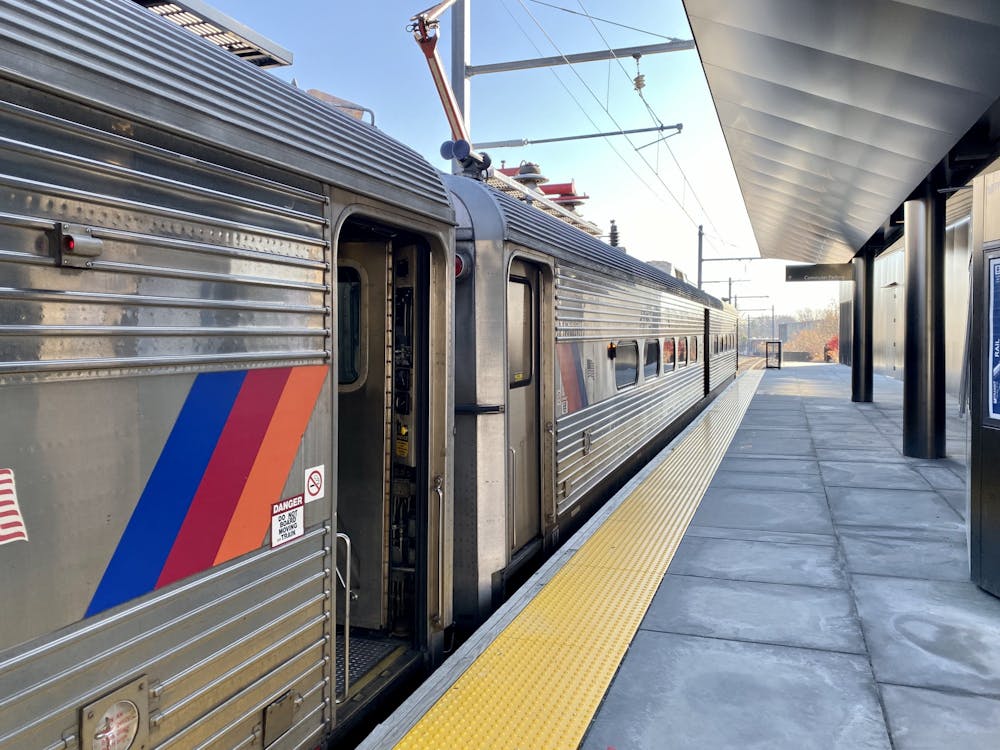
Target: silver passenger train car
[
  {"x": 231, "y": 339},
  {"x": 574, "y": 364},
  {"x": 173, "y": 222}
]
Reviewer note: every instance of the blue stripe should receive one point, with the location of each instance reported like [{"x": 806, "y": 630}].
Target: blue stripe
[{"x": 143, "y": 549}]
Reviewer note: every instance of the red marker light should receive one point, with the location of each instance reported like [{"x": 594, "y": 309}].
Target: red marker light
[
  {"x": 463, "y": 265},
  {"x": 69, "y": 244}
]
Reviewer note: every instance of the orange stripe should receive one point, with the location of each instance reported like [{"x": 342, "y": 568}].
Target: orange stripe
[{"x": 269, "y": 473}]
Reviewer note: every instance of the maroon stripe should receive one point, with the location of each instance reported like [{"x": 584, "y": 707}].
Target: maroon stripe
[{"x": 218, "y": 494}]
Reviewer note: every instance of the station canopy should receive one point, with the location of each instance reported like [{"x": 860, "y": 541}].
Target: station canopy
[
  {"x": 834, "y": 112},
  {"x": 215, "y": 26}
]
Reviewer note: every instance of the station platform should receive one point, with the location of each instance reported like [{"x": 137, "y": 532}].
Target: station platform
[{"x": 781, "y": 576}]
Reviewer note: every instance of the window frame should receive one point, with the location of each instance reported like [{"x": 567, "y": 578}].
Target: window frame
[
  {"x": 511, "y": 383},
  {"x": 656, "y": 362},
  {"x": 627, "y": 344},
  {"x": 360, "y": 359},
  {"x": 673, "y": 354}
]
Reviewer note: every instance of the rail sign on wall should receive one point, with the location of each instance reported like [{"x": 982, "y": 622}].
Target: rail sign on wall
[{"x": 820, "y": 272}]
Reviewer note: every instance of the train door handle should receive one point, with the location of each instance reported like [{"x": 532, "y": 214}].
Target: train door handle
[
  {"x": 513, "y": 497},
  {"x": 438, "y": 619}
]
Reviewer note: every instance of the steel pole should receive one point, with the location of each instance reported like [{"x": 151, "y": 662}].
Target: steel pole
[
  {"x": 461, "y": 57},
  {"x": 701, "y": 234},
  {"x": 861, "y": 328},
  {"x": 605, "y": 54},
  {"x": 923, "y": 376}
]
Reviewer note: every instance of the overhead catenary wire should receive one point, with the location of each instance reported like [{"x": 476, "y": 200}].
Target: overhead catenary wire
[
  {"x": 679, "y": 203},
  {"x": 597, "y": 99},
  {"x": 607, "y": 21},
  {"x": 579, "y": 104},
  {"x": 652, "y": 113}
]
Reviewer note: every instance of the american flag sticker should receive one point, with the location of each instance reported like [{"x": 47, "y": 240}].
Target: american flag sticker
[{"x": 12, "y": 528}]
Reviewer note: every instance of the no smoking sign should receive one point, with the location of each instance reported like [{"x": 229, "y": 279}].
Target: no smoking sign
[{"x": 315, "y": 483}]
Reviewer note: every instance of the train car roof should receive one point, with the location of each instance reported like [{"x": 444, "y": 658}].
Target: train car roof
[
  {"x": 528, "y": 226},
  {"x": 117, "y": 56}
]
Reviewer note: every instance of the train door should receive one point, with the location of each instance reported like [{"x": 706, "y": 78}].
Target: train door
[
  {"x": 523, "y": 470},
  {"x": 382, "y": 369},
  {"x": 706, "y": 354}
]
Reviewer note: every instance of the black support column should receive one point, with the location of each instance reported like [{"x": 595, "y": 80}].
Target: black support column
[
  {"x": 861, "y": 338},
  {"x": 923, "y": 377}
]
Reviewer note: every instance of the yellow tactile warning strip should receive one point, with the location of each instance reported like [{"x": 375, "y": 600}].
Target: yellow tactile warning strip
[{"x": 537, "y": 686}]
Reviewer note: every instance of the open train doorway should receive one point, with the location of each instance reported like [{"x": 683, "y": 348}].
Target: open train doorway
[
  {"x": 523, "y": 411},
  {"x": 382, "y": 429}
]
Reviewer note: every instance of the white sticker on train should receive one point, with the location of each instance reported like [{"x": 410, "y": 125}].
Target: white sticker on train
[
  {"x": 288, "y": 520},
  {"x": 315, "y": 482}
]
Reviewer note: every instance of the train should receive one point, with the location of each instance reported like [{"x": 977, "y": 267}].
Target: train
[{"x": 285, "y": 409}]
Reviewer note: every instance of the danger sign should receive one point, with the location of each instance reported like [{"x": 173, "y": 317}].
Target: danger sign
[
  {"x": 288, "y": 520},
  {"x": 315, "y": 482}
]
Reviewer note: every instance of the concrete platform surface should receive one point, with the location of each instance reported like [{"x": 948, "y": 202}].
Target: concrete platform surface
[{"x": 821, "y": 596}]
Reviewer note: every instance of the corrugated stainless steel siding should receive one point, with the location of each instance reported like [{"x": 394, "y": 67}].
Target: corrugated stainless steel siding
[
  {"x": 117, "y": 55},
  {"x": 592, "y": 307},
  {"x": 957, "y": 294},
  {"x": 537, "y": 230},
  {"x": 215, "y": 651},
  {"x": 889, "y": 334},
  {"x": 201, "y": 266},
  {"x": 889, "y": 322}
]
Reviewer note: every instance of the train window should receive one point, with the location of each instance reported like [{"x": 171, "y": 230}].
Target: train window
[
  {"x": 519, "y": 327},
  {"x": 626, "y": 364},
  {"x": 682, "y": 351},
  {"x": 669, "y": 355},
  {"x": 348, "y": 325},
  {"x": 715, "y": 343},
  {"x": 693, "y": 354},
  {"x": 651, "y": 368}
]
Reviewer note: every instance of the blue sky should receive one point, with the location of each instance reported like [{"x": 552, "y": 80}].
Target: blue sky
[{"x": 361, "y": 51}]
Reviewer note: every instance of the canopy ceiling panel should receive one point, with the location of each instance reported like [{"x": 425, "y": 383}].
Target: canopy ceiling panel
[{"x": 835, "y": 110}]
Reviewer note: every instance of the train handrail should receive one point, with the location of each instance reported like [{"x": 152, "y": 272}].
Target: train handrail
[
  {"x": 345, "y": 581},
  {"x": 439, "y": 489},
  {"x": 512, "y": 494}
]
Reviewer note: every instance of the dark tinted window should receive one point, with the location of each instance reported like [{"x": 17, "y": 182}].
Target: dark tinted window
[
  {"x": 651, "y": 368},
  {"x": 348, "y": 325},
  {"x": 669, "y": 355},
  {"x": 682, "y": 351},
  {"x": 626, "y": 364}
]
